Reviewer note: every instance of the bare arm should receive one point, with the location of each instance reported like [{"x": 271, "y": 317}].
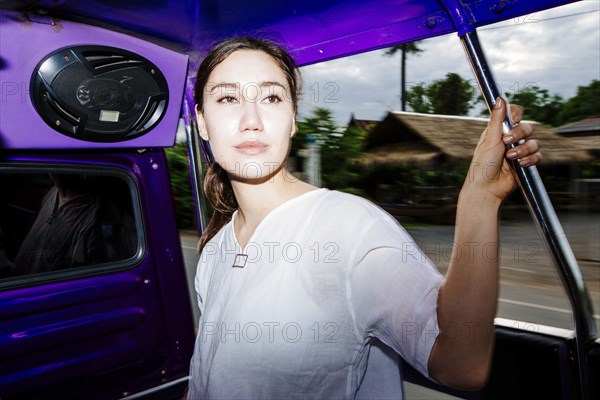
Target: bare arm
[{"x": 462, "y": 354}]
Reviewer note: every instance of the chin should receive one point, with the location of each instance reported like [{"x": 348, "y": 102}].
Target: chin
[{"x": 253, "y": 169}]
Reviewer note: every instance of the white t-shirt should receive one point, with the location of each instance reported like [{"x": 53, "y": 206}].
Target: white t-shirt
[{"x": 326, "y": 273}]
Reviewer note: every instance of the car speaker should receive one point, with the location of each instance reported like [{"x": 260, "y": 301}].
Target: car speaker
[{"x": 99, "y": 93}]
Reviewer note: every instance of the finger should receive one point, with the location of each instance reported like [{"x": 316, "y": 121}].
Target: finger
[
  {"x": 530, "y": 160},
  {"x": 521, "y": 131},
  {"x": 524, "y": 150},
  {"x": 516, "y": 113}
]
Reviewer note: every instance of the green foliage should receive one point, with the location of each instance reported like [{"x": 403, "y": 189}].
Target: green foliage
[
  {"x": 417, "y": 100},
  {"x": 180, "y": 185},
  {"x": 538, "y": 104},
  {"x": 553, "y": 110},
  {"x": 585, "y": 103},
  {"x": 450, "y": 96},
  {"x": 339, "y": 149},
  {"x": 592, "y": 170},
  {"x": 416, "y": 183}
]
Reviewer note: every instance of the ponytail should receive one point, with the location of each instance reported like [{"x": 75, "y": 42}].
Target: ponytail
[{"x": 222, "y": 199}]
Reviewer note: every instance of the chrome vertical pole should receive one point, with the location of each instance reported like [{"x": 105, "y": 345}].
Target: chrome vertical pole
[
  {"x": 543, "y": 215},
  {"x": 195, "y": 151}
]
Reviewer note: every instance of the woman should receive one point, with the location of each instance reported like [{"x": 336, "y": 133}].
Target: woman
[{"x": 299, "y": 287}]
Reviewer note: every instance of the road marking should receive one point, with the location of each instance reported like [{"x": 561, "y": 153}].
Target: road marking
[{"x": 541, "y": 307}]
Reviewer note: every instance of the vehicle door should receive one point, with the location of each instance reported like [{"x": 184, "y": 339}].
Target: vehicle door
[{"x": 93, "y": 291}]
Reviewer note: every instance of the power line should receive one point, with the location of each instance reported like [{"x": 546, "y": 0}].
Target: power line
[{"x": 540, "y": 20}]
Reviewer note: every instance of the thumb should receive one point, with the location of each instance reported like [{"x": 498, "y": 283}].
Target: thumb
[
  {"x": 498, "y": 113},
  {"x": 494, "y": 128}
]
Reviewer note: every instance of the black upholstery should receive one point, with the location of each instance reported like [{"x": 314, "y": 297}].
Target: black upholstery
[{"x": 527, "y": 365}]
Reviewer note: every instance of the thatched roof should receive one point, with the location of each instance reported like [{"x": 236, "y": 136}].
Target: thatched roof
[
  {"x": 584, "y": 134},
  {"x": 404, "y": 137},
  {"x": 586, "y": 126},
  {"x": 365, "y": 124},
  {"x": 400, "y": 153},
  {"x": 591, "y": 143}
]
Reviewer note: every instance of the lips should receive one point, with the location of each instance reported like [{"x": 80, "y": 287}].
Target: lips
[{"x": 251, "y": 147}]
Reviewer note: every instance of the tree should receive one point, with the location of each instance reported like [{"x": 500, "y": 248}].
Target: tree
[
  {"x": 417, "y": 99},
  {"x": 339, "y": 149},
  {"x": 450, "y": 96},
  {"x": 405, "y": 48},
  {"x": 585, "y": 103},
  {"x": 538, "y": 104}
]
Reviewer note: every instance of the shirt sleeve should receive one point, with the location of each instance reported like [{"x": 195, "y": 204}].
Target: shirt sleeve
[
  {"x": 200, "y": 285},
  {"x": 207, "y": 262},
  {"x": 393, "y": 291}
]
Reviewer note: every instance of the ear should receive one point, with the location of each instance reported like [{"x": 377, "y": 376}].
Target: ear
[
  {"x": 293, "y": 131},
  {"x": 201, "y": 124}
]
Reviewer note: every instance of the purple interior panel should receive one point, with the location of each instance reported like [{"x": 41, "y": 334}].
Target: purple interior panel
[{"x": 24, "y": 44}]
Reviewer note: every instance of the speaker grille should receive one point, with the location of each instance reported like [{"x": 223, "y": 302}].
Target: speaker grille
[
  {"x": 102, "y": 61},
  {"x": 99, "y": 93}
]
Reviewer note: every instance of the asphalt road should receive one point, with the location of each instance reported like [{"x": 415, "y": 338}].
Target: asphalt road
[{"x": 530, "y": 289}]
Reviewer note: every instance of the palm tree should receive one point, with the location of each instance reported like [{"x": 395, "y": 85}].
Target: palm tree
[{"x": 405, "y": 48}]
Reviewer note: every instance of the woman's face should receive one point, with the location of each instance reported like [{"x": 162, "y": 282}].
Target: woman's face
[{"x": 248, "y": 115}]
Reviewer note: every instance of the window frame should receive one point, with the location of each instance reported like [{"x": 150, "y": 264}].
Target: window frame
[{"x": 104, "y": 268}]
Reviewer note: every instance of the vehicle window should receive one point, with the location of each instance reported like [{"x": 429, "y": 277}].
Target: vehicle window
[
  {"x": 402, "y": 165},
  {"x": 399, "y": 167},
  {"x": 57, "y": 220}
]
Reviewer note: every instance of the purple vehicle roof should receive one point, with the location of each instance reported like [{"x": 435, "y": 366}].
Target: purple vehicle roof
[
  {"x": 169, "y": 32},
  {"x": 316, "y": 30}
]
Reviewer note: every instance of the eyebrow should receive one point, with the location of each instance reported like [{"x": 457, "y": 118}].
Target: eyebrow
[
  {"x": 271, "y": 83},
  {"x": 232, "y": 85},
  {"x": 223, "y": 85}
]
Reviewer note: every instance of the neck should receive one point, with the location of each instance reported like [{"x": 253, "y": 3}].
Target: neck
[{"x": 256, "y": 200}]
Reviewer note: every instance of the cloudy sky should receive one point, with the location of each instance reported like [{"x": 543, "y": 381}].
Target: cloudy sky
[{"x": 556, "y": 50}]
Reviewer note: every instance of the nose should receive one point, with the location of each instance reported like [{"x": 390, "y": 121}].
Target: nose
[{"x": 250, "y": 119}]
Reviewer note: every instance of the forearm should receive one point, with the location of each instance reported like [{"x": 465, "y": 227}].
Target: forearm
[
  {"x": 462, "y": 353},
  {"x": 468, "y": 298}
]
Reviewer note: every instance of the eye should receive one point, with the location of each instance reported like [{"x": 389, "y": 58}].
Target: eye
[
  {"x": 272, "y": 99},
  {"x": 227, "y": 100}
]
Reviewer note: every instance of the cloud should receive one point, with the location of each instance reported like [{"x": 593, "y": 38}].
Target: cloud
[{"x": 557, "y": 50}]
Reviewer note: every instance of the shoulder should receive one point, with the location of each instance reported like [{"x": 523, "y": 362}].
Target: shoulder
[
  {"x": 215, "y": 243},
  {"x": 355, "y": 219},
  {"x": 350, "y": 206}
]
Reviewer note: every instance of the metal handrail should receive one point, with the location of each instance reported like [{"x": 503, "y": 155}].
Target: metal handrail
[{"x": 544, "y": 216}]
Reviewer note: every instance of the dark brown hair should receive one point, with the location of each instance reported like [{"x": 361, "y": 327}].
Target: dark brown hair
[{"x": 216, "y": 182}]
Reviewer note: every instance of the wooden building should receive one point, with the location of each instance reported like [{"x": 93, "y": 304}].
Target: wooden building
[{"x": 420, "y": 160}]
